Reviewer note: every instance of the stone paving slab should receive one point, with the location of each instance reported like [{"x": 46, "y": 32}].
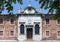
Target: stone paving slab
[
  {"x": 43, "y": 41},
  {"x": 33, "y": 41},
  {"x": 8, "y": 41}
]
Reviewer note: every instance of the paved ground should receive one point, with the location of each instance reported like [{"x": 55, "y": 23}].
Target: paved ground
[
  {"x": 34, "y": 41},
  {"x": 45, "y": 41}
]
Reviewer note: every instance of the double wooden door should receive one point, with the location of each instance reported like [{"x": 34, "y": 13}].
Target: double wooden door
[{"x": 29, "y": 33}]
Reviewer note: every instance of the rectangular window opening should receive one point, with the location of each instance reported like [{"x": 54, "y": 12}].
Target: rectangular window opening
[
  {"x": 47, "y": 33},
  {"x": 1, "y": 21},
  {"x": 47, "y": 21},
  {"x": 21, "y": 30},
  {"x": 58, "y": 21},
  {"x": 37, "y": 29},
  {"x": 58, "y": 33},
  {"x": 12, "y": 21},
  {"x": 1, "y": 33},
  {"x": 11, "y": 33}
]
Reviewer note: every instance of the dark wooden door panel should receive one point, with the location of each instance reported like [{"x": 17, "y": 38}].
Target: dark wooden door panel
[{"x": 29, "y": 33}]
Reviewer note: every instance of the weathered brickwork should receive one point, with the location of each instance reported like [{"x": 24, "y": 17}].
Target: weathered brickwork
[
  {"x": 6, "y": 27},
  {"x": 52, "y": 27}
]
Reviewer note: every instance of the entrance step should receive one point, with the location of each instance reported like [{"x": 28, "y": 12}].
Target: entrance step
[{"x": 31, "y": 41}]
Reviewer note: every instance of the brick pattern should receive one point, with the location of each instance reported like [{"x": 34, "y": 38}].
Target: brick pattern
[
  {"x": 53, "y": 27},
  {"x": 7, "y": 27}
]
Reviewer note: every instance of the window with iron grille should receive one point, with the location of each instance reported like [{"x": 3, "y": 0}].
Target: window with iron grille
[
  {"x": 21, "y": 29},
  {"x": 37, "y": 28}
]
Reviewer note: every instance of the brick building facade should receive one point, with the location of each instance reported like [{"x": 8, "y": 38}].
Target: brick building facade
[
  {"x": 8, "y": 27},
  {"x": 29, "y": 25}
]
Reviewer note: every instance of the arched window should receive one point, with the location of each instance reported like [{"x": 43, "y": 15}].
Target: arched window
[
  {"x": 37, "y": 28},
  {"x": 21, "y": 29}
]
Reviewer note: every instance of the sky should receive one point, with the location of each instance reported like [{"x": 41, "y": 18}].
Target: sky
[{"x": 34, "y": 3}]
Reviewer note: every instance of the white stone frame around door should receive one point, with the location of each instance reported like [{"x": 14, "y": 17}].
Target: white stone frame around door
[{"x": 34, "y": 19}]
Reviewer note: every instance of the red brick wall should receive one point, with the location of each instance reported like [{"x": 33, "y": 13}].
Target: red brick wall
[
  {"x": 7, "y": 27},
  {"x": 52, "y": 27}
]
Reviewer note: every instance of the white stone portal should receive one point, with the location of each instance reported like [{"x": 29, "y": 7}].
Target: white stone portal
[
  {"x": 29, "y": 10},
  {"x": 29, "y": 20}
]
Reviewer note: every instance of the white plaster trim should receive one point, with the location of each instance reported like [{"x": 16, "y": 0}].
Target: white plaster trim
[
  {"x": 21, "y": 36},
  {"x": 41, "y": 28}
]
